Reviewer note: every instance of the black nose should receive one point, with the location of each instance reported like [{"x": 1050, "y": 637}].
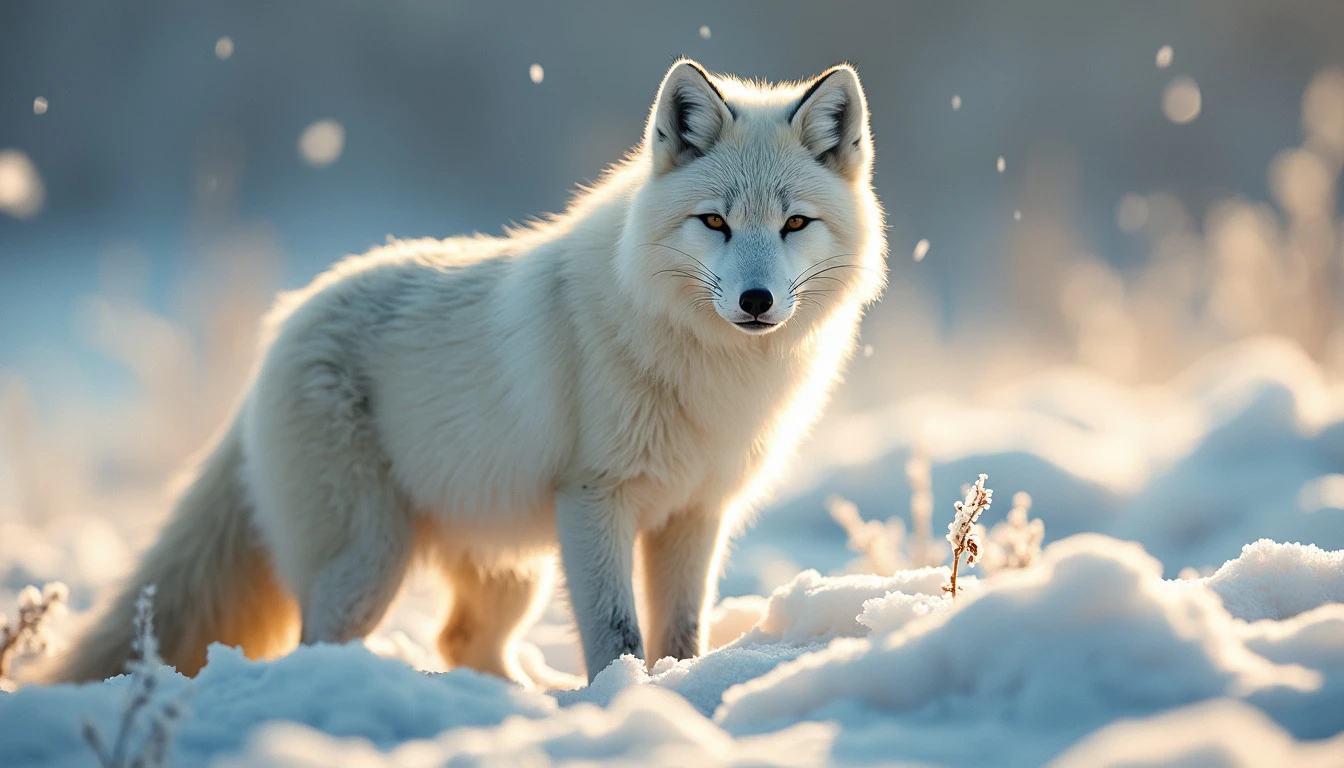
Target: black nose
[{"x": 756, "y": 301}]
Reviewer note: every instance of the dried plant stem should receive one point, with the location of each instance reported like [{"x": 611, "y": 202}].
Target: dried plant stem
[
  {"x": 956, "y": 561},
  {"x": 29, "y": 633},
  {"x": 961, "y": 532},
  {"x": 918, "y": 471},
  {"x": 144, "y": 670}
]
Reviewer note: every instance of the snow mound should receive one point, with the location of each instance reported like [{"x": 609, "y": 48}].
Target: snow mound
[
  {"x": 1092, "y": 634},
  {"x": 1315, "y": 640},
  {"x": 812, "y": 607},
  {"x": 340, "y": 690},
  {"x": 1224, "y": 733},
  {"x": 643, "y": 726},
  {"x": 837, "y": 670},
  {"x": 884, "y": 615},
  {"x": 1279, "y": 581},
  {"x": 733, "y": 617}
]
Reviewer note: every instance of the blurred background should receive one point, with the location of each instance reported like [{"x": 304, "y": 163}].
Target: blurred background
[{"x": 1116, "y": 188}]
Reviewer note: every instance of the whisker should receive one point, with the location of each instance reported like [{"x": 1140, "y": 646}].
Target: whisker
[
  {"x": 836, "y": 266},
  {"x": 712, "y": 287},
  {"x": 689, "y": 256},
  {"x": 810, "y": 267}
]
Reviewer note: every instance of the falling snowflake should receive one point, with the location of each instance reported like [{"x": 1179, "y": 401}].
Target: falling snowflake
[
  {"x": 921, "y": 250},
  {"x": 1001, "y": 165},
  {"x": 1164, "y": 55},
  {"x": 21, "y": 190},
  {"x": 867, "y": 350},
  {"x": 1181, "y": 101},
  {"x": 321, "y": 143},
  {"x": 1017, "y": 215},
  {"x": 224, "y": 48},
  {"x": 536, "y": 73},
  {"x": 956, "y": 102},
  {"x": 39, "y": 106},
  {"x": 704, "y": 33}
]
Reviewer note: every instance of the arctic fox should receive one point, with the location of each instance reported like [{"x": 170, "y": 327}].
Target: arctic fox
[{"x": 629, "y": 374}]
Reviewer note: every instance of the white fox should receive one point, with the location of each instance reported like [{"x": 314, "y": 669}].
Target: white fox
[{"x": 632, "y": 372}]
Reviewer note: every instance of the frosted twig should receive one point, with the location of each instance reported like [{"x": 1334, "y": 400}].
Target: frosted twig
[
  {"x": 30, "y": 634},
  {"x": 961, "y": 532}
]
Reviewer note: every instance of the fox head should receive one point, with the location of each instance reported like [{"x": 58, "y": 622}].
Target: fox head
[{"x": 758, "y": 213}]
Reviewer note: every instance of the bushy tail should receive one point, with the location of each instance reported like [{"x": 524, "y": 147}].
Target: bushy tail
[{"x": 215, "y": 583}]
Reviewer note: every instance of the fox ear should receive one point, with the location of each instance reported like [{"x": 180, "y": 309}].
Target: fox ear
[
  {"x": 831, "y": 118},
  {"x": 689, "y": 116}
]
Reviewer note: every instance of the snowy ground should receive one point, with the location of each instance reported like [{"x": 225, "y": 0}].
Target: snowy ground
[{"x": 1161, "y": 625}]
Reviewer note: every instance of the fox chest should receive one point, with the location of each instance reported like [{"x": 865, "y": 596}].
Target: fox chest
[{"x": 687, "y": 443}]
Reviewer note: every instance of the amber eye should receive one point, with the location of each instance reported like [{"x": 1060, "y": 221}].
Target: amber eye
[
  {"x": 795, "y": 223},
  {"x": 714, "y": 221}
]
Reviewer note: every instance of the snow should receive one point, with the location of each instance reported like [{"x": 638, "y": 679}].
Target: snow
[
  {"x": 642, "y": 726},
  {"x": 1092, "y": 655},
  {"x": 1092, "y": 634},
  {"x": 1279, "y": 581},
  {"x": 338, "y": 690},
  {"x": 1221, "y": 733},
  {"x": 813, "y": 607}
]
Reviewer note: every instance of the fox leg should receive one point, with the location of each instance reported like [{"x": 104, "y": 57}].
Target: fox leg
[
  {"x": 491, "y": 607},
  {"x": 681, "y": 565},
  {"x": 351, "y": 592},
  {"x": 597, "y": 539}
]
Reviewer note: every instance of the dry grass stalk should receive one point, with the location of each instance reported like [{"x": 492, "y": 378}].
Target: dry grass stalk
[
  {"x": 879, "y": 543},
  {"x": 961, "y": 532},
  {"x": 1017, "y": 541},
  {"x": 919, "y": 471},
  {"x": 144, "y": 669},
  {"x": 29, "y": 635}
]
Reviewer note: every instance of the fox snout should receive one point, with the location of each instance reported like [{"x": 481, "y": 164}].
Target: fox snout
[
  {"x": 757, "y": 311},
  {"x": 756, "y": 301}
]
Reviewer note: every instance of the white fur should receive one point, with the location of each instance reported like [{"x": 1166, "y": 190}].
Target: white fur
[{"x": 478, "y": 400}]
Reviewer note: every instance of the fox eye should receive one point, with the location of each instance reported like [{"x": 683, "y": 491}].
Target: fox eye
[
  {"x": 715, "y": 222},
  {"x": 795, "y": 223}
]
